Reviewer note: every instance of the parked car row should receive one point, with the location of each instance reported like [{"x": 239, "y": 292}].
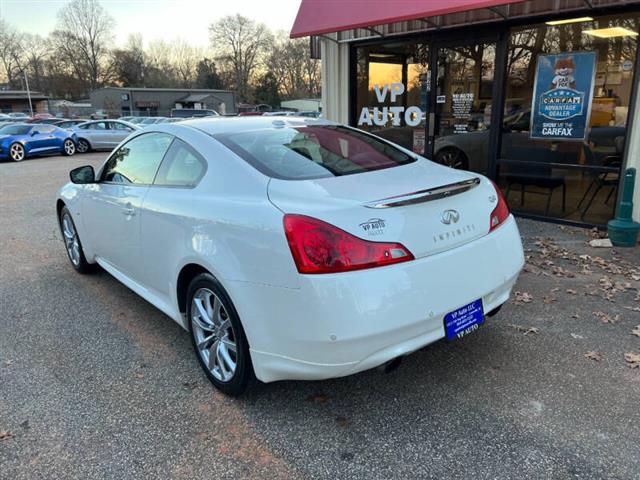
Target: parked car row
[
  {"x": 22, "y": 140},
  {"x": 22, "y": 136}
]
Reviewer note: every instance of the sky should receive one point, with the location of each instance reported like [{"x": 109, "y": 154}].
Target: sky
[{"x": 156, "y": 19}]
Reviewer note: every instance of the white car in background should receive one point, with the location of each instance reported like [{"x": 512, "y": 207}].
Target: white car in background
[{"x": 293, "y": 248}]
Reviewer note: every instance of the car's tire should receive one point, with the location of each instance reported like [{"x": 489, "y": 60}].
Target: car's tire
[
  {"x": 17, "y": 153},
  {"x": 68, "y": 148},
  {"x": 72, "y": 243},
  {"x": 452, "y": 157},
  {"x": 217, "y": 336},
  {"x": 83, "y": 146}
]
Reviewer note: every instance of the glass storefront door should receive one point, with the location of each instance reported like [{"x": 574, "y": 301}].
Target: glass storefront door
[
  {"x": 393, "y": 84},
  {"x": 459, "y": 124}
]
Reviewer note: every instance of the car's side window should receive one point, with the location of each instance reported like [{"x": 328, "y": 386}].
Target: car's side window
[
  {"x": 182, "y": 167},
  {"x": 118, "y": 126},
  {"x": 98, "y": 126},
  {"x": 137, "y": 161}
]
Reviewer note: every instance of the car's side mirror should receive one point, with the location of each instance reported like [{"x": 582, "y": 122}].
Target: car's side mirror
[
  {"x": 83, "y": 175},
  {"x": 34, "y": 132}
]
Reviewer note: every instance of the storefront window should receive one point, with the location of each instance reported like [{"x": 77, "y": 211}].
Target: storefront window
[
  {"x": 392, "y": 92},
  {"x": 562, "y": 146},
  {"x": 463, "y": 106}
]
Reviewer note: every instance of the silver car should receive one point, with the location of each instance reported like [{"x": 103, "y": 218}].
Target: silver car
[{"x": 102, "y": 134}]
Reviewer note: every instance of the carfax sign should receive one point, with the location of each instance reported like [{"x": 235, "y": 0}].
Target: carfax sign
[{"x": 562, "y": 96}]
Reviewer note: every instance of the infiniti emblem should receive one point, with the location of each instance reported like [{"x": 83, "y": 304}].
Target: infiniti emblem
[{"x": 449, "y": 216}]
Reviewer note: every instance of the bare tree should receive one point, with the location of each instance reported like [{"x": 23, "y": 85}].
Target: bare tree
[
  {"x": 35, "y": 53},
  {"x": 160, "y": 71},
  {"x": 239, "y": 44},
  {"x": 185, "y": 60},
  {"x": 82, "y": 38},
  {"x": 130, "y": 62},
  {"x": 296, "y": 72},
  {"x": 11, "y": 46}
]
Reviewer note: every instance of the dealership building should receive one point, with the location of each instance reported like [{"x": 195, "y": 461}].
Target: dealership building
[
  {"x": 154, "y": 102},
  {"x": 541, "y": 96}
]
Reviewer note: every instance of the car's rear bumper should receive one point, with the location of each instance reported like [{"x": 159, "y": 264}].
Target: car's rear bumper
[{"x": 336, "y": 325}]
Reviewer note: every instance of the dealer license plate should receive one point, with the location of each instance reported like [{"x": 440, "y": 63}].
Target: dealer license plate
[{"x": 463, "y": 321}]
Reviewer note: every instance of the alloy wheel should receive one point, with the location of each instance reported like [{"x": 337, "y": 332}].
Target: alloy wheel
[
  {"x": 71, "y": 241},
  {"x": 16, "y": 151},
  {"x": 83, "y": 146},
  {"x": 452, "y": 158},
  {"x": 214, "y": 335},
  {"x": 69, "y": 147}
]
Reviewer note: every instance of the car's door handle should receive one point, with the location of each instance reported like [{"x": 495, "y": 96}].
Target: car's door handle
[{"x": 129, "y": 211}]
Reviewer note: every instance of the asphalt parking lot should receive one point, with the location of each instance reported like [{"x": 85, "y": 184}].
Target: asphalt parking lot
[{"x": 97, "y": 383}]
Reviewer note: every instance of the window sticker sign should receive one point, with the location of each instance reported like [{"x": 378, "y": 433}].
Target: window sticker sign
[{"x": 562, "y": 96}]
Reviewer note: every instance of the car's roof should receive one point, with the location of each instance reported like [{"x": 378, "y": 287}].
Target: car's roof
[{"x": 216, "y": 125}]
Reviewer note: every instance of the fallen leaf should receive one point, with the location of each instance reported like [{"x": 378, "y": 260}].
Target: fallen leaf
[
  {"x": 636, "y": 331},
  {"x": 633, "y": 309},
  {"x": 342, "y": 421},
  {"x": 571, "y": 291},
  {"x": 319, "y": 398},
  {"x": 633, "y": 359},
  {"x": 576, "y": 336},
  {"x": 575, "y": 315},
  {"x": 597, "y": 356},
  {"x": 5, "y": 435},
  {"x": 548, "y": 299},
  {"x": 606, "y": 318},
  {"x": 523, "y": 297},
  {"x": 525, "y": 330},
  {"x": 555, "y": 289},
  {"x": 139, "y": 375}
]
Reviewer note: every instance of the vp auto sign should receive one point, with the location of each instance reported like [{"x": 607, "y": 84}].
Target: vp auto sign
[{"x": 562, "y": 96}]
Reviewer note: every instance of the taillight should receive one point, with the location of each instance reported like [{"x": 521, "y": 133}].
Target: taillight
[
  {"x": 500, "y": 213},
  {"x": 318, "y": 247}
]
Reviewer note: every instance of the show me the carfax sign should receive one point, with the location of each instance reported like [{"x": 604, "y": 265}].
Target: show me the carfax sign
[{"x": 562, "y": 96}]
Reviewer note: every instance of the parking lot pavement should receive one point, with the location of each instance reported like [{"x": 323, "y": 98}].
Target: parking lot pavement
[{"x": 96, "y": 383}]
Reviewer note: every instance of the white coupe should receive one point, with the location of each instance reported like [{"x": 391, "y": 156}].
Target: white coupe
[{"x": 293, "y": 248}]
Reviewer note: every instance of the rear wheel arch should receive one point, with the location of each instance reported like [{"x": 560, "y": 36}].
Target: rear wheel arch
[{"x": 186, "y": 275}]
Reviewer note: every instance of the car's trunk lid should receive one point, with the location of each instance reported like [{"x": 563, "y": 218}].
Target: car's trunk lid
[{"x": 426, "y": 207}]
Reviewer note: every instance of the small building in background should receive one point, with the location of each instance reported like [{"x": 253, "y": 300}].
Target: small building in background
[
  {"x": 303, "y": 105},
  {"x": 120, "y": 101},
  {"x": 68, "y": 109},
  {"x": 18, "y": 101}
]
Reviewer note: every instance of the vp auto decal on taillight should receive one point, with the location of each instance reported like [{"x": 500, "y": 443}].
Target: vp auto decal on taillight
[
  {"x": 501, "y": 212},
  {"x": 319, "y": 247}
]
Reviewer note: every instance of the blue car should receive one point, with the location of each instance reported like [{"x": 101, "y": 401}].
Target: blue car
[{"x": 19, "y": 141}]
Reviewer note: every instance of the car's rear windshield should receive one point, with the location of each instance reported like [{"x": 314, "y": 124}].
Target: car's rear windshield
[
  {"x": 314, "y": 151},
  {"x": 15, "y": 130}
]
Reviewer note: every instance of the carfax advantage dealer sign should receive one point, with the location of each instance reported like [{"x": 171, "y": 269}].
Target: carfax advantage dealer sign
[{"x": 562, "y": 96}]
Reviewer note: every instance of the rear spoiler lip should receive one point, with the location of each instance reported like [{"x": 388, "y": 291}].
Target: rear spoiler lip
[{"x": 427, "y": 195}]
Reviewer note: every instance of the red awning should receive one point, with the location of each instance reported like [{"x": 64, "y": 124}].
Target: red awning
[{"x": 317, "y": 17}]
